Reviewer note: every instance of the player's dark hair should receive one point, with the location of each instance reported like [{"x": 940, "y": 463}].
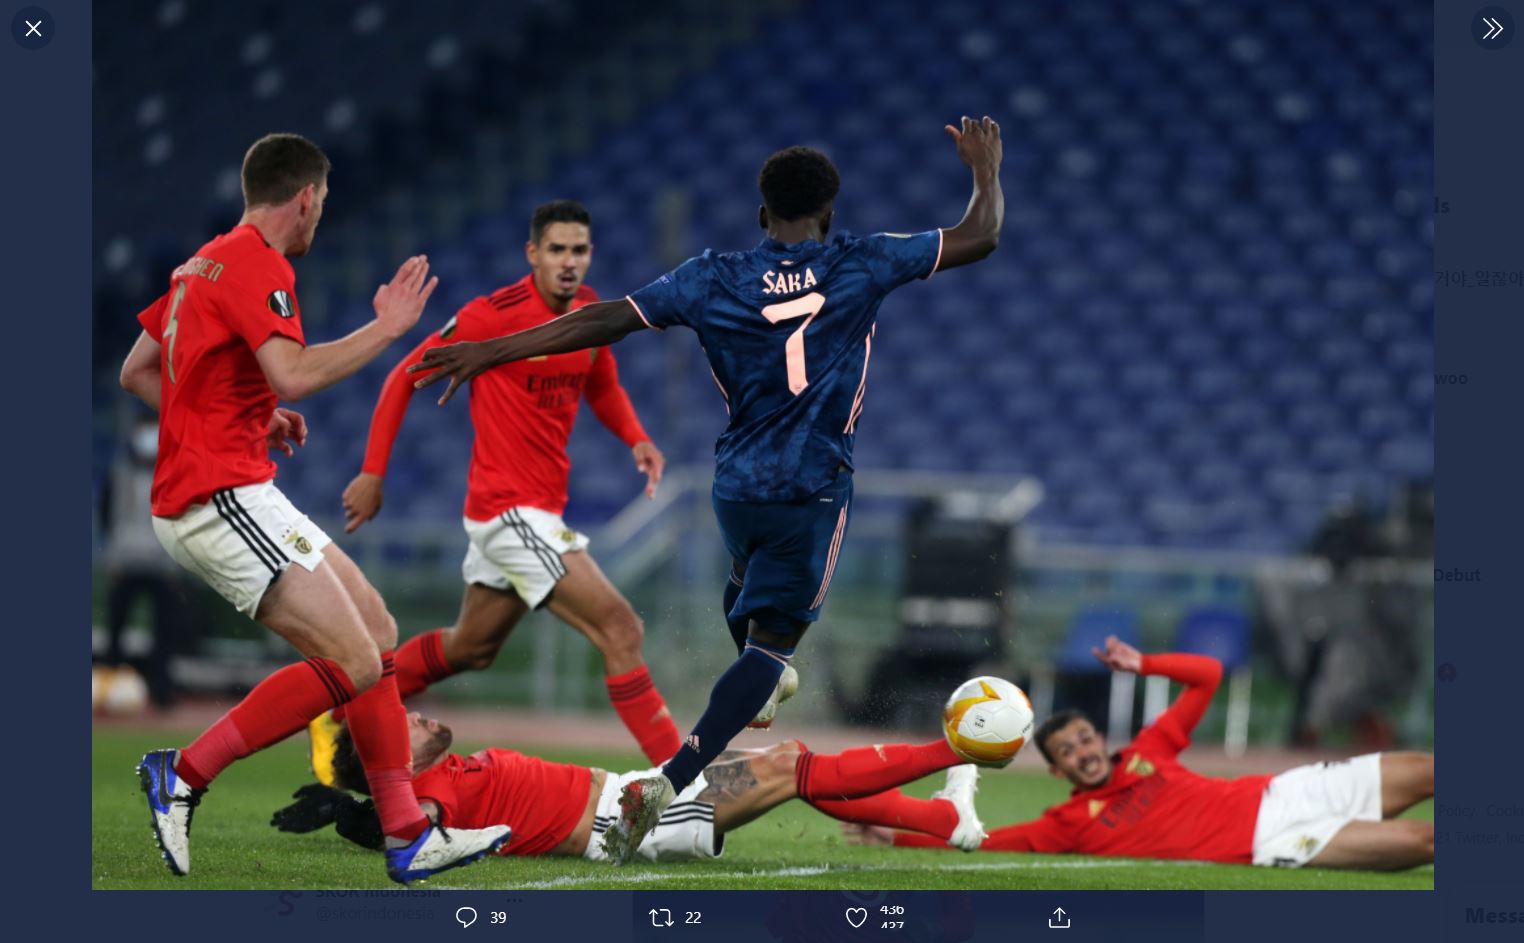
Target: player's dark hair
[
  {"x": 1052, "y": 726},
  {"x": 798, "y": 181},
  {"x": 557, "y": 211},
  {"x": 278, "y": 166},
  {"x": 348, "y": 773}
]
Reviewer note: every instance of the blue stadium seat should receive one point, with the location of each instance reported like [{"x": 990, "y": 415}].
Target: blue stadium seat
[
  {"x": 1089, "y": 629},
  {"x": 1222, "y": 633},
  {"x": 1215, "y": 631}
]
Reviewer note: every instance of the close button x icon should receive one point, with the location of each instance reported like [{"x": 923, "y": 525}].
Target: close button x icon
[{"x": 32, "y": 27}]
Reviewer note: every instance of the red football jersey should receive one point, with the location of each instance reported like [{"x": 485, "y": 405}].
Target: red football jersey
[
  {"x": 1152, "y": 807},
  {"x": 215, "y": 404},
  {"x": 523, "y": 411},
  {"x": 543, "y": 801}
]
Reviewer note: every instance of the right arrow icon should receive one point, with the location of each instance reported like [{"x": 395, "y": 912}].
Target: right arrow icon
[{"x": 1492, "y": 27}]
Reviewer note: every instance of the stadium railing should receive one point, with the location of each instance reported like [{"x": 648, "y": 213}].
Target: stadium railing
[{"x": 666, "y": 556}]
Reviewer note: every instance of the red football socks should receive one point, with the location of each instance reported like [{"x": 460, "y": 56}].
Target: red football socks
[
  {"x": 278, "y": 707},
  {"x": 644, "y": 712},
  {"x": 379, "y": 727},
  {"x": 421, "y": 662},
  {"x": 864, "y": 771},
  {"x": 895, "y": 810}
]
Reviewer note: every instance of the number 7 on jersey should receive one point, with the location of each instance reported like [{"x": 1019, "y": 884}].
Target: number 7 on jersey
[
  {"x": 794, "y": 349},
  {"x": 172, "y": 329}
]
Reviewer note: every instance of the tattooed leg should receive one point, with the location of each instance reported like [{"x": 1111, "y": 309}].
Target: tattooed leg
[{"x": 744, "y": 784}]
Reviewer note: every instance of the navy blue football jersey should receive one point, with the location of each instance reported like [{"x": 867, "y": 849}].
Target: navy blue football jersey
[{"x": 788, "y": 330}]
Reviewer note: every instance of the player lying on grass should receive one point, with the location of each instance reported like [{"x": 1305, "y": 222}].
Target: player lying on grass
[
  {"x": 1141, "y": 802},
  {"x": 520, "y": 555},
  {"x": 559, "y": 809},
  {"x": 787, "y": 328}
]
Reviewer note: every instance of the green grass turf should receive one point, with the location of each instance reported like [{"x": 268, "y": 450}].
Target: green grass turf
[{"x": 791, "y": 847}]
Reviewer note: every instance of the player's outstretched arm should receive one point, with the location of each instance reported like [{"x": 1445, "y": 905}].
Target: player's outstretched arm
[
  {"x": 1199, "y": 673},
  {"x": 363, "y": 496},
  {"x": 611, "y": 404},
  {"x": 140, "y": 371},
  {"x": 296, "y": 372},
  {"x": 594, "y": 325},
  {"x": 1026, "y": 836},
  {"x": 977, "y": 235}
]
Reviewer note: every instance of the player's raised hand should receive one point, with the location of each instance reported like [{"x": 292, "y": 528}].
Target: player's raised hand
[
  {"x": 460, "y": 362},
  {"x": 362, "y": 501},
  {"x": 978, "y": 143},
  {"x": 400, "y": 301},
  {"x": 1119, "y": 656},
  {"x": 649, "y": 461},
  {"x": 286, "y": 426}
]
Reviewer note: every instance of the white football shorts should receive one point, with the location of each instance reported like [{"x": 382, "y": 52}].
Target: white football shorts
[
  {"x": 241, "y": 541},
  {"x": 520, "y": 550},
  {"x": 1303, "y": 808},
  {"x": 684, "y": 832}
]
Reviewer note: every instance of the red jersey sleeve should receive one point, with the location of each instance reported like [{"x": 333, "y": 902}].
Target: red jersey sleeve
[
  {"x": 391, "y": 405},
  {"x": 152, "y": 317},
  {"x": 1200, "y": 675},
  {"x": 609, "y": 401},
  {"x": 261, "y": 303},
  {"x": 473, "y": 323},
  {"x": 437, "y": 785}
]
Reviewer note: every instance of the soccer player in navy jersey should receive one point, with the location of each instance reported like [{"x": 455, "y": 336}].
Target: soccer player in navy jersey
[{"x": 788, "y": 331}]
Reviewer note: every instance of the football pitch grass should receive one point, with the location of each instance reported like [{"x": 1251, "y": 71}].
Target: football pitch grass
[{"x": 792, "y": 847}]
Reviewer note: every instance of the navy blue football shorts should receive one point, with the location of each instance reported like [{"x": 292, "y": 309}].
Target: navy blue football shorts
[{"x": 785, "y": 552}]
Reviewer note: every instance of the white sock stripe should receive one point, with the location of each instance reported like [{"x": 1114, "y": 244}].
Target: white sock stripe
[{"x": 780, "y": 659}]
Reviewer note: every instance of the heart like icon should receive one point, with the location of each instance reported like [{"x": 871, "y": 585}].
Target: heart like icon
[{"x": 857, "y": 916}]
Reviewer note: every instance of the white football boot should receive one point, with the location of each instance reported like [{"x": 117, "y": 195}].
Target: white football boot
[
  {"x": 962, "y": 783},
  {"x": 788, "y": 684},
  {"x": 641, "y": 805},
  {"x": 171, "y": 805},
  {"x": 440, "y": 849}
]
